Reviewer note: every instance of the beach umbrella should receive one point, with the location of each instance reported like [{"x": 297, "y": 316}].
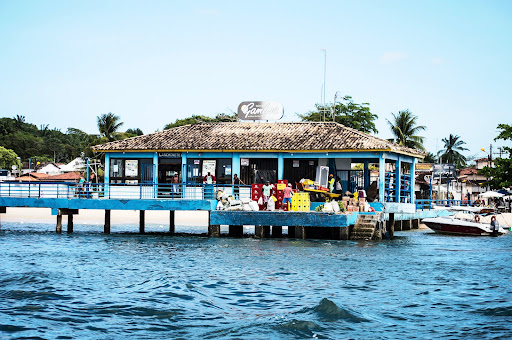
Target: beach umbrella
[
  {"x": 490, "y": 194},
  {"x": 504, "y": 192}
]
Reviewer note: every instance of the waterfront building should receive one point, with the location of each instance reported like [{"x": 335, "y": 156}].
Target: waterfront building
[{"x": 263, "y": 151}]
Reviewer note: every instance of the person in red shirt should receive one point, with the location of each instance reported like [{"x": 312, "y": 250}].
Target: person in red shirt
[{"x": 287, "y": 195}]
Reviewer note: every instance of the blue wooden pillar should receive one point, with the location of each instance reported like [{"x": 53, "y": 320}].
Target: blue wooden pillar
[
  {"x": 280, "y": 166},
  {"x": 366, "y": 175},
  {"x": 398, "y": 172},
  {"x": 413, "y": 178},
  {"x": 382, "y": 173},
  {"x": 184, "y": 173},
  {"x": 107, "y": 174},
  {"x": 155, "y": 174},
  {"x": 235, "y": 166}
]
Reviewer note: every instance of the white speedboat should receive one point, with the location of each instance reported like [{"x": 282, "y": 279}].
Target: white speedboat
[{"x": 461, "y": 224}]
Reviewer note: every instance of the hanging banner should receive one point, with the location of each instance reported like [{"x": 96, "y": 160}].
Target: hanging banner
[{"x": 260, "y": 110}]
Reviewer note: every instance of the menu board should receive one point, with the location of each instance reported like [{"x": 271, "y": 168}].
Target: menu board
[
  {"x": 131, "y": 168},
  {"x": 209, "y": 166}
]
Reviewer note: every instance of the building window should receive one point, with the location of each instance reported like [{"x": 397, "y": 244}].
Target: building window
[{"x": 129, "y": 171}]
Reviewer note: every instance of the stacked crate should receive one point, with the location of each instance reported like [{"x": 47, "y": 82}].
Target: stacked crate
[
  {"x": 301, "y": 201},
  {"x": 256, "y": 193},
  {"x": 279, "y": 194}
]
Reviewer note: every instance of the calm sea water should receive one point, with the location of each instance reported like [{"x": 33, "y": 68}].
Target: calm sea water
[{"x": 92, "y": 286}]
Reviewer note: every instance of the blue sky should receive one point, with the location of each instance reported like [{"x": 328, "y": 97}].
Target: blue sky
[{"x": 64, "y": 63}]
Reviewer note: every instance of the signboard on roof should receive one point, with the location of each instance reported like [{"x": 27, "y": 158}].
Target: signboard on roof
[
  {"x": 444, "y": 170},
  {"x": 257, "y": 110}
]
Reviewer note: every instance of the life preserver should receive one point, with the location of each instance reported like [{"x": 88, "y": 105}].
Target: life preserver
[
  {"x": 477, "y": 218},
  {"x": 493, "y": 218}
]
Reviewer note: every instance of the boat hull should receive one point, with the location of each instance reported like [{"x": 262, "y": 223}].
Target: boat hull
[{"x": 456, "y": 227}]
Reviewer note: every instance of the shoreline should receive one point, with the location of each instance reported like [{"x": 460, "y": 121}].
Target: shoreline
[{"x": 97, "y": 217}]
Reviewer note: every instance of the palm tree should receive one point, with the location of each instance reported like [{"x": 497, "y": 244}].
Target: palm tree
[
  {"x": 108, "y": 124},
  {"x": 405, "y": 129},
  {"x": 451, "y": 152}
]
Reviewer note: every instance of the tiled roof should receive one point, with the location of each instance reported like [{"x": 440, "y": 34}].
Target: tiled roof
[
  {"x": 468, "y": 171},
  {"x": 67, "y": 176},
  {"x": 237, "y": 136}
]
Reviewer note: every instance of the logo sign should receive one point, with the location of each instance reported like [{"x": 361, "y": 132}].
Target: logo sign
[
  {"x": 260, "y": 111},
  {"x": 169, "y": 154},
  {"x": 444, "y": 170}
]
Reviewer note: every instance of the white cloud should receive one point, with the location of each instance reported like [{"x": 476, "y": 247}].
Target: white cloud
[{"x": 391, "y": 57}]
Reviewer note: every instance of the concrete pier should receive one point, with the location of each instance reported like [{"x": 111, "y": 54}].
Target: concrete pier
[
  {"x": 416, "y": 223},
  {"x": 390, "y": 225},
  {"x": 236, "y": 231},
  {"x": 70, "y": 224},
  {"x": 58, "y": 229},
  {"x": 214, "y": 230},
  {"x": 142, "y": 221},
  {"x": 277, "y": 231},
  {"x": 262, "y": 231},
  {"x": 172, "y": 222},
  {"x": 106, "y": 227},
  {"x": 406, "y": 225}
]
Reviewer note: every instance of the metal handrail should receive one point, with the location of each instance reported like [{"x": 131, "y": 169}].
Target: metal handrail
[{"x": 191, "y": 190}]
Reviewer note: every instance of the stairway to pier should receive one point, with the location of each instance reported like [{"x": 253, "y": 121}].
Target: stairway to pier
[{"x": 367, "y": 227}]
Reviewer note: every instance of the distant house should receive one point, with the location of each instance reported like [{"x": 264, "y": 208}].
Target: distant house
[
  {"x": 67, "y": 177},
  {"x": 77, "y": 164},
  {"x": 50, "y": 169},
  {"x": 32, "y": 177},
  {"x": 40, "y": 177}
]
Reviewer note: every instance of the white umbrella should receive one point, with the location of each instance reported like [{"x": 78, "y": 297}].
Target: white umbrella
[{"x": 490, "y": 194}]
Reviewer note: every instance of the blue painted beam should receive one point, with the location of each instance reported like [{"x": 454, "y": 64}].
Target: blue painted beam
[
  {"x": 111, "y": 204},
  {"x": 281, "y": 218}
]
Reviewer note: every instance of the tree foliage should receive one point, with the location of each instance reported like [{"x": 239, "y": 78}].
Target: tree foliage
[
  {"x": 196, "y": 119},
  {"x": 134, "y": 132},
  {"x": 8, "y": 158},
  {"x": 346, "y": 112},
  {"x": 108, "y": 124},
  {"x": 453, "y": 146},
  {"x": 44, "y": 143},
  {"x": 429, "y": 158},
  {"x": 501, "y": 175},
  {"x": 405, "y": 130}
]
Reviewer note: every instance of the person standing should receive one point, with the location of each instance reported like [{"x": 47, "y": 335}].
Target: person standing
[
  {"x": 267, "y": 192},
  {"x": 236, "y": 186},
  {"x": 288, "y": 195},
  {"x": 339, "y": 187},
  {"x": 208, "y": 182},
  {"x": 331, "y": 183},
  {"x": 209, "y": 178},
  {"x": 175, "y": 185}
]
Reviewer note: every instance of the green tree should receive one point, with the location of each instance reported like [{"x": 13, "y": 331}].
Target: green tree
[
  {"x": 135, "y": 132},
  {"x": 346, "y": 112},
  {"x": 8, "y": 158},
  {"x": 196, "y": 119},
  {"x": 405, "y": 130},
  {"x": 108, "y": 124},
  {"x": 429, "y": 158},
  {"x": 453, "y": 146},
  {"x": 501, "y": 175}
]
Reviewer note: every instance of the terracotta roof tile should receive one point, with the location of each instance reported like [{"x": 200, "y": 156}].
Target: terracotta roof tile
[{"x": 241, "y": 136}]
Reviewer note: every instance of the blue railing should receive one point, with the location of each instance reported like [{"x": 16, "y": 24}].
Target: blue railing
[
  {"x": 120, "y": 191},
  {"x": 426, "y": 204}
]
